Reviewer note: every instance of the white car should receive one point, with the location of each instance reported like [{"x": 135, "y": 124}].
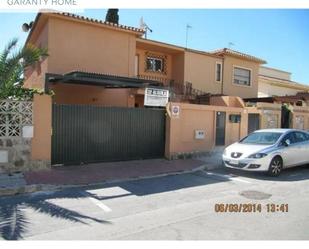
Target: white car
[{"x": 268, "y": 150}]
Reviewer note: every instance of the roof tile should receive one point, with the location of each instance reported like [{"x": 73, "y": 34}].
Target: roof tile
[
  {"x": 75, "y": 16},
  {"x": 227, "y": 51}
]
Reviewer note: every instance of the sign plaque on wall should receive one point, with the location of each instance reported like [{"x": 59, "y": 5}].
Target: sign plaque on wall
[
  {"x": 175, "y": 110},
  {"x": 27, "y": 131},
  {"x": 156, "y": 97}
]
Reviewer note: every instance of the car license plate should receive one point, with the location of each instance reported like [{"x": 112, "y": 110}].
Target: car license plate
[{"x": 235, "y": 162}]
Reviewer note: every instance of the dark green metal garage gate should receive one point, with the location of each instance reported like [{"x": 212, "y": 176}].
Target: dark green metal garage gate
[{"x": 85, "y": 134}]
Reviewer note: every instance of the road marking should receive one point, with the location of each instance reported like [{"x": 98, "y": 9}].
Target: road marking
[
  {"x": 227, "y": 177},
  {"x": 95, "y": 201}
]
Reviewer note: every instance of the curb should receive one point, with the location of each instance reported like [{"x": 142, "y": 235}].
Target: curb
[
  {"x": 20, "y": 190},
  {"x": 27, "y": 189}
]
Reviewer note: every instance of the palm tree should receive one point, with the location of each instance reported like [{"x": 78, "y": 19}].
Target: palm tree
[
  {"x": 14, "y": 221},
  {"x": 12, "y": 66}
]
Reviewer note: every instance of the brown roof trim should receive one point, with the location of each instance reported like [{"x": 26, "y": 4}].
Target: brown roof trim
[
  {"x": 85, "y": 19},
  {"x": 227, "y": 51}
]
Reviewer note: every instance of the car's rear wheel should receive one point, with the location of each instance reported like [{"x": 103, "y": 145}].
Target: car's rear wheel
[{"x": 275, "y": 166}]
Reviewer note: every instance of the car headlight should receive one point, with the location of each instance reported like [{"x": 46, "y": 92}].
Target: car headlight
[{"x": 257, "y": 155}]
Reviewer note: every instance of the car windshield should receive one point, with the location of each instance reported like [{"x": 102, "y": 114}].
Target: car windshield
[{"x": 261, "y": 138}]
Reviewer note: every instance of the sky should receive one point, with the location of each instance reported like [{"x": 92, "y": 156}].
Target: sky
[{"x": 279, "y": 36}]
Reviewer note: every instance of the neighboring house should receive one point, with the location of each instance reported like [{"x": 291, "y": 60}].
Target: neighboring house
[
  {"x": 240, "y": 77},
  {"x": 95, "y": 62},
  {"x": 274, "y": 82}
]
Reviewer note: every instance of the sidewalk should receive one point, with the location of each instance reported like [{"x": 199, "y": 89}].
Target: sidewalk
[{"x": 59, "y": 177}]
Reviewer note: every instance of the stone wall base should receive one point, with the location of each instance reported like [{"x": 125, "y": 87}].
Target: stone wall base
[
  {"x": 189, "y": 155},
  {"x": 16, "y": 156},
  {"x": 6, "y": 168},
  {"x": 212, "y": 159}
]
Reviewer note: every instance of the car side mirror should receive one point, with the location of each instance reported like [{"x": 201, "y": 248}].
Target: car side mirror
[{"x": 287, "y": 142}]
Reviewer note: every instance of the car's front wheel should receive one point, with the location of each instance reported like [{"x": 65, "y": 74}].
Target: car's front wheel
[{"x": 275, "y": 166}]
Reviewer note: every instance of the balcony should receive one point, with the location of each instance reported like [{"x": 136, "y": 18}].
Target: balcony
[
  {"x": 163, "y": 80},
  {"x": 180, "y": 91}
]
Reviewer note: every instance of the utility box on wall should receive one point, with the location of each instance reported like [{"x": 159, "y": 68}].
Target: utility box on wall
[
  {"x": 200, "y": 134},
  {"x": 234, "y": 118},
  {"x": 4, "y": 156}
]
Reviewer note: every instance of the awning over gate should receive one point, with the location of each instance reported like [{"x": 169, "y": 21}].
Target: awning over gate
[{"x": 105, "y": 80}]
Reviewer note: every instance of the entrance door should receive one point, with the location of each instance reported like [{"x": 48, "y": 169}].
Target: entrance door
[
  {"x": 253, "y": 122},
  {"x": 220, "y": 128},
  {"x": 285, "y": 116}
]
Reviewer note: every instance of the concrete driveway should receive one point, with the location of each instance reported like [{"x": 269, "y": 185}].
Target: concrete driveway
[{"x": 180, "y": 207}]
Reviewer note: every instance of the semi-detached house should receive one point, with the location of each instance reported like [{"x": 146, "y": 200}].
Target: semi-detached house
[
  {"x": 97, "y": 69},
  {"x": 94, "y": 62}
]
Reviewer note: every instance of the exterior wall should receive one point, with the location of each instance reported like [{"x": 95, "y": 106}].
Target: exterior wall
[
  {"x": 272, "y": 72},
  {"x": 35, "y": 75},
  {"x": 78, "y": 46},
  {"x": 139, "y": 100},
  {"x": 231, "y": 101},
  {"x": 245, "y": 118},
  {"x": 269, "y": 90},
  {"x": 229, "y": 88},
  {"x": 270, "y": 115},
  {"x": 41, "y": 141},
  {"x": 199, "y": 69},
  {"x": 24, "y": 151},
  {"x": 142, "y": 54},
  {"x": 91, "y": 95},
  {"x": 300, "y": 118},
  {"x": 180, "y": 130},
  {"x": 178, "y": 67}
]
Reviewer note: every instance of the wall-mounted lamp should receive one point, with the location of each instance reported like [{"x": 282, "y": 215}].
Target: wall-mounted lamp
[{"x": 27, "y": 26}]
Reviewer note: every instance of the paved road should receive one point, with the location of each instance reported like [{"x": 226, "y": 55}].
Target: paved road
[{"x": 177, "y": 207}]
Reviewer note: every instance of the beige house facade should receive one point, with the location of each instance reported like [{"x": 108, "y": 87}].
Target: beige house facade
[
  {"x": 274, "y": 82},
  {"x": 92, "y": 62},
  {"x": 77, "y": 44}
]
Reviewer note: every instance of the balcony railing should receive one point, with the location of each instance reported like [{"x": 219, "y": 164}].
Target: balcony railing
[
  {"x": 180, "y": 91},
  {"x": 185, "y": 90},
  {"x": 163, "y": 80}
]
